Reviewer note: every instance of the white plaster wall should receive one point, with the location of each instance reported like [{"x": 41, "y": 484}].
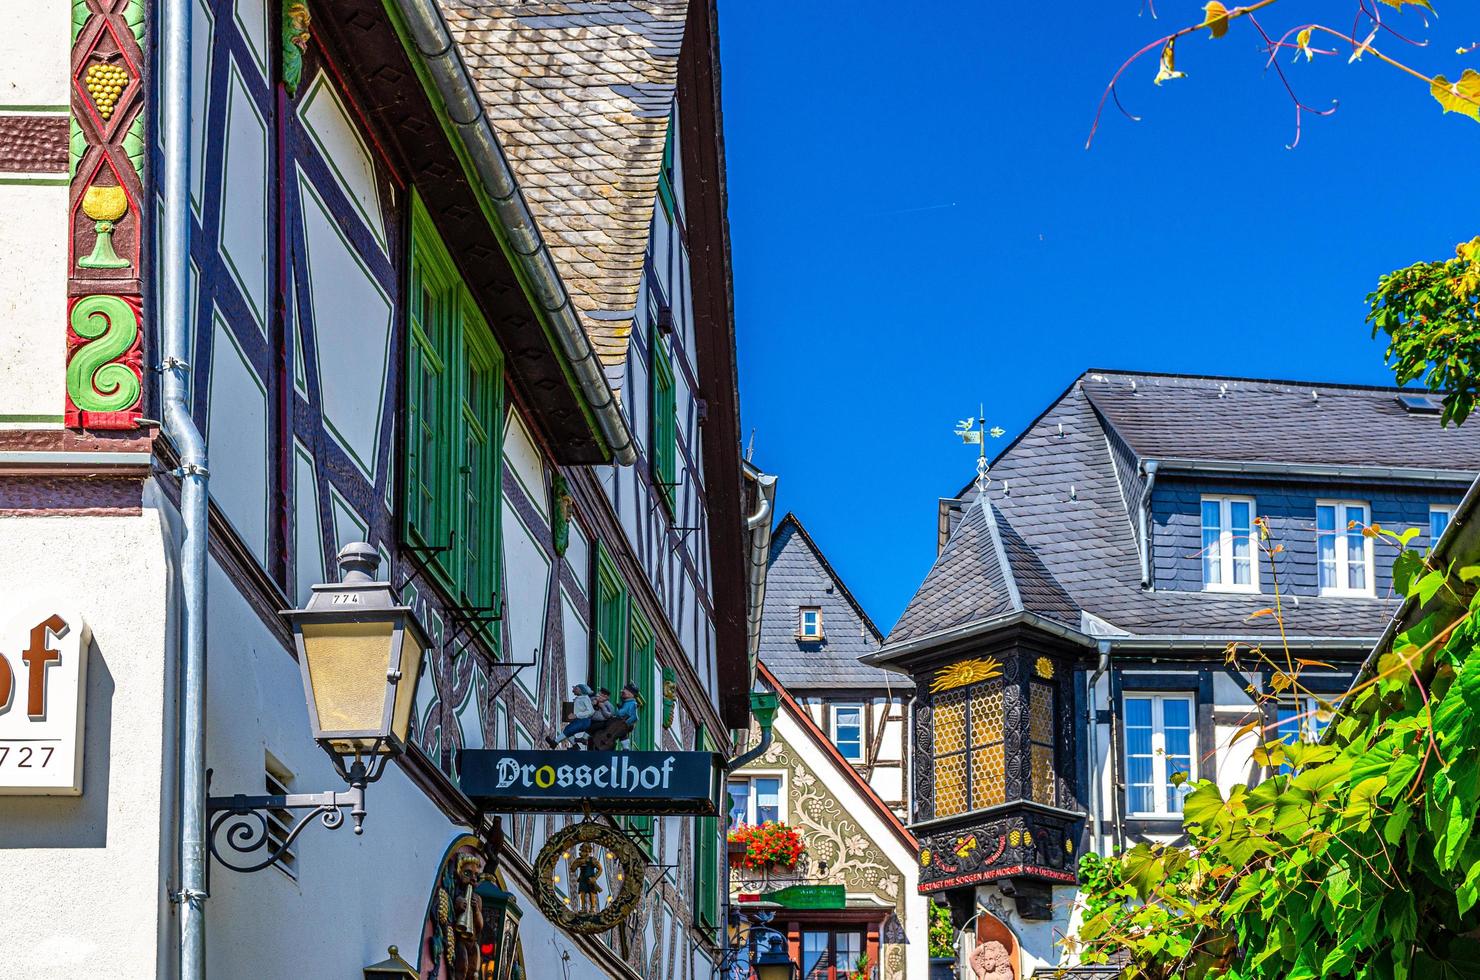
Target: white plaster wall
[
  {"x": 916, "y": 922},
  {"x": 35, "y": 49},
  {"x": 83, "y": 877},
  {"x": 33, "y": 282},
  {"x": 353, "y": 896}
]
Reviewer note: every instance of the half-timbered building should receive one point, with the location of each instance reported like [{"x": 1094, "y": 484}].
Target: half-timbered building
[
  {"x": 813, "y": 633},
  {"x": 457, "y": 285},
  {"x": 1116, "y": 607}
]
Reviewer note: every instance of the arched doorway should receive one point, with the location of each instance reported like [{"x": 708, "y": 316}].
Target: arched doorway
[{"x": 471, "y": 927}]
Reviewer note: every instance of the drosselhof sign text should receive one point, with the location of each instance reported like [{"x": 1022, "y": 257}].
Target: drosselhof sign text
[{"x": 603, "y": 782}]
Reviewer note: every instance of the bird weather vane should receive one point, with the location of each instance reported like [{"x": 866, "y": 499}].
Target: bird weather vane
[{"x": 974, "y": 432}]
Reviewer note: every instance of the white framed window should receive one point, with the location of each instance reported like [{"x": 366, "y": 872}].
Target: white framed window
[
  {"x": 809, "y": 623},
  {"x": 1439, "y": 518},
  {"x": 847, "y": 733},
  {"x": 756, "y": 800},
  {"x": 1343, "y": 552},
  {"x": 1228, "y": 544},
  {"x": 1302, "y": 719},
  {"x": 1159, "y": 745}
]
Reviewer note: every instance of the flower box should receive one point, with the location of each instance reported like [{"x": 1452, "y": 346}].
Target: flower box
[{"x": 765, "y": 847}]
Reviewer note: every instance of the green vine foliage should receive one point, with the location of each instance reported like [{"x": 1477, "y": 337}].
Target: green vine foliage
[
  {"x": 1430, "y": 313},
  {"x": 1356, "y": 858},
  {"x": 942, "y": 935}
]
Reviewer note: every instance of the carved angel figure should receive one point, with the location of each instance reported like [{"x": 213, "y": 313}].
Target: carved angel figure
[{"x": 991, "y": 961}]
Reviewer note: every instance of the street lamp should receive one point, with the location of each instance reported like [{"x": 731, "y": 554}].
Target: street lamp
[
  {"x": 500, "y": 939},
  {"x": 773, "y": 963},
  {"x": 356, "y": 645},
  {"x": 392, "y": 967},
  {"x": 360, "y": 654}
]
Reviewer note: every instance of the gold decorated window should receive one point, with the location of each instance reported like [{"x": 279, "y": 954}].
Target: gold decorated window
[
  {"x": 968, "y": 748},
  {"x": 1042, "y": 773}
]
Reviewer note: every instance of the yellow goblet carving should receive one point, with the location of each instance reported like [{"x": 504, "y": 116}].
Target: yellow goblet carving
[{"x": 105, "y": 205}]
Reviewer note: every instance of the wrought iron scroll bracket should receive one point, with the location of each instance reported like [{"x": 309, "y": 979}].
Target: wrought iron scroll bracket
[{"x": 238, "y": 830}]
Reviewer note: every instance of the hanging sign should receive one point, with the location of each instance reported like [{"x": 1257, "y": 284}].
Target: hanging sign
[
  {"x": 588, "y": 877},
  {"x": 527, "y": 781},
  {"x": 43, "y": 687}
]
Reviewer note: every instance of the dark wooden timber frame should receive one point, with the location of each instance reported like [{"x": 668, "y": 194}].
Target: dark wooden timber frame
[
  {"x": 365, "y": 43},
  {"x": 708, "y": 236}
]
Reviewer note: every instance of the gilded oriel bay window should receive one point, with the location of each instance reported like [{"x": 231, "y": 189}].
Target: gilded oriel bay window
[
  {"x": 968, "y": 748},
  {"x": 994, "y": 732}
]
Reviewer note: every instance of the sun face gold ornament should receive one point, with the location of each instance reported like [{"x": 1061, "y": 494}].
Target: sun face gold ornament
[
  {"x": 966, "y": 672},
  {"x": 105, "y": 205},
  {"x": 588, "y": 877}
]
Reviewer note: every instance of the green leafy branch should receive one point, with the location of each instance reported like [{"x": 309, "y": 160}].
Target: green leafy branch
[{"x": 1357, "y": 857}]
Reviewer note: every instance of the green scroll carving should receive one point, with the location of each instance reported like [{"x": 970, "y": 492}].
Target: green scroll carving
[
  {"x": 94, "y": 382},
  {"x": 296, "y": 20}
]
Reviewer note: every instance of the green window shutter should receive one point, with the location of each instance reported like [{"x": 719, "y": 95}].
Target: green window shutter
[
  {"x": 454, "y": 426},
  {"x": 663, "y": 429},
  {"x": 611, "y": 624},
  {"x": 641, "y": 668},
  {"x": 480, "y": 543},
  {"x": 665, "y": 175},
  {"x": 706, "y": 858},
  {"x": 429, "y": 428}
]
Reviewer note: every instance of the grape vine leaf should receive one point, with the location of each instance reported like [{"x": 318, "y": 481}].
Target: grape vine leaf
[
  {"x": 1462, "y": 96},
  {"x": 1215, "y": 18}
]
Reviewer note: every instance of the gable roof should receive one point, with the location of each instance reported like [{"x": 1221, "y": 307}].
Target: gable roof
[
  {"x": 843, "y": 766},
  {"x": 1062, "y": 511},
  {"x": 800, "y": 575},
  {"x": 579, "y": 94},
  {"x": 1289, "y": 422}
]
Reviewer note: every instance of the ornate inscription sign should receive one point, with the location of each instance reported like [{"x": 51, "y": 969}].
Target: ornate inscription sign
[
  {"x": 43, "y": 683},
  {"x": 588, "y": 877},
  {"x": 524, "y": 781}
]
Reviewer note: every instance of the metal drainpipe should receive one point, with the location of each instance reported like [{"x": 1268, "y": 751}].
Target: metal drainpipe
[
  {"x": 173, "y": 258},
  {"x": 1150, "y": 469},
  {"x": 1094, "y": 748}
]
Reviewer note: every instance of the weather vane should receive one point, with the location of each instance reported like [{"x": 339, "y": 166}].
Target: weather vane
[{"x": 974, "y": 432}]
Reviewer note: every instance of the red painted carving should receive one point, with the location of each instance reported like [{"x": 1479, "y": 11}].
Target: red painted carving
[{"x": 105, "y": 236}]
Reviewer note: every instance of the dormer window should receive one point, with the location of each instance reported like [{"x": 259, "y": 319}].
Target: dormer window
[
  {"x": 1344, "y": 553},
  {"x": 809, "y": 623},
  {"x": 1228, "y": 546}
]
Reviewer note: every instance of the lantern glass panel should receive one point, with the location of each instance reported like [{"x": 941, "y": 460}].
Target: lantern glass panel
[
  {"x": 411, "y": 654},
  {"x": 347, "y": 671}
]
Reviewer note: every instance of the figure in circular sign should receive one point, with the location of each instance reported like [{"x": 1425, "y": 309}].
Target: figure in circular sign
[
  {"x": 585, "y": 871},
  {"x": 588, "y": 852}
]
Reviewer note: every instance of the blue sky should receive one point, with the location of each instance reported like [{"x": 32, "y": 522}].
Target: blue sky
[{"x": 918, "y": 228}]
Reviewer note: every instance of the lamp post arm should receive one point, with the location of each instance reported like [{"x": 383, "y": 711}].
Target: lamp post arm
[{"x": 246, "y": 831}]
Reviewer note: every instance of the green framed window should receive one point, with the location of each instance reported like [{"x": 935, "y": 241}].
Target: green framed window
[
  {"x": 454, "y": 424},
  {"x": 611, "y": 624},
  {"x": 663, "y": 429},
  {"x": 706, "y": 857},
  {"x": 665, "y": 175}
]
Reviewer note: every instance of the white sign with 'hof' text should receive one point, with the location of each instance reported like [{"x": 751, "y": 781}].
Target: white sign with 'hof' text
[{"x": 43, "y": 687}]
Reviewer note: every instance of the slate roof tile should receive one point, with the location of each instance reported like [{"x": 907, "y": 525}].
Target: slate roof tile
[
  {"x": 800, "y": 575},
  {"x": 578, "y": 93},
  {"x": 1080, "y": 553}
]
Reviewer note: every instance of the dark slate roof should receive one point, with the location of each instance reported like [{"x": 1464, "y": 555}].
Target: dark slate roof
[
  {"x": 800, "y": 575},
  {"x": 1173, "y": 416},
  {"x": 1065, "y": 513},
  {"x": 579, "y": 93}
]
